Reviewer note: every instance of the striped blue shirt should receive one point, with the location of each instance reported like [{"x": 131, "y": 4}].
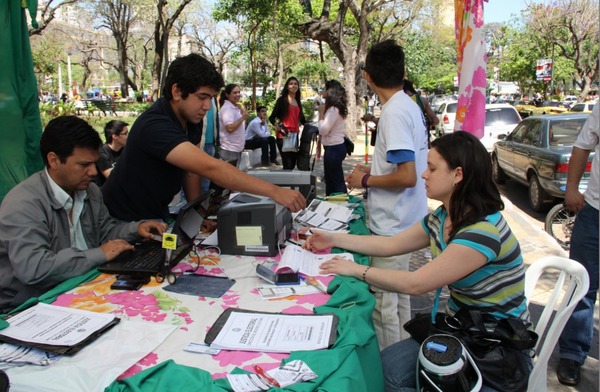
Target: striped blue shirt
[{"x": 498, "y": 286}]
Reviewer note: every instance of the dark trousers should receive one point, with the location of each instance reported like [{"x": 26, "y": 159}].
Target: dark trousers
[
  {"x": 266, "y": 144},
  {"x": 332, "y": 166},
  {"x": 288, "y": 159}
]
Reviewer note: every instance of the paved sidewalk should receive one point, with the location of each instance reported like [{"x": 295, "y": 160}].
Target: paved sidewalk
[{"x": 535, "y": 243}]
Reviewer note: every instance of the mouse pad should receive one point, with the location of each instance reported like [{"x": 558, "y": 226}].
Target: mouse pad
[{"x": 201, "y": 286}]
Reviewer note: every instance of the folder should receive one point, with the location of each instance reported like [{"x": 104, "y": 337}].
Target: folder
[
  {"x": 248, "y": 330},
  {"x": 56, "y": 329}
]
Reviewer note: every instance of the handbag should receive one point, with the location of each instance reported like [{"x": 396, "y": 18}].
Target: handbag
[
  {"x": 497, "y": 346},
  {"x": 349, "y": 145},
  {"x": 290, "y": 142}
]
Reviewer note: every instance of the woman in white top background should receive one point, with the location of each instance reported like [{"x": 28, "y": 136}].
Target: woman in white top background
[
  {"x": 232, "y": 123},
  {"x": 332, "y": 125}
]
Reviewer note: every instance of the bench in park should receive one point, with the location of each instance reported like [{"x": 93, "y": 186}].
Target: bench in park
[{"x": 103, "y": 106}]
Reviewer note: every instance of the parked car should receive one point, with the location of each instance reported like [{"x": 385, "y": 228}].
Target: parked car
[
  {"x": 446, "y": 113},
  {"x": 549, "y": 107},
  {"x": 500, "y": 119},
  {"x": 438, "y": 100},
  {"x": 570, "y": 100},
  {"x": 536, "y": 153},
  {"x": 525, "y": 108},
  {"x": 583, "y": 107}
]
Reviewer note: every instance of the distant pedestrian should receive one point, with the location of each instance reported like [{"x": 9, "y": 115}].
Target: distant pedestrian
[
  {"x": 287, "y": 116},
  {"x": 232, "y": 123},
  {"x": 332, "y": 128}
]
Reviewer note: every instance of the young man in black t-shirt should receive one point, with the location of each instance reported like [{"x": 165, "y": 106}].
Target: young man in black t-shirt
[{"x": 162, "y": 155}]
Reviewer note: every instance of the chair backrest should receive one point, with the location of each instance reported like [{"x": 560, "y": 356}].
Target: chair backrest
[{"x": 577, "y": 284}]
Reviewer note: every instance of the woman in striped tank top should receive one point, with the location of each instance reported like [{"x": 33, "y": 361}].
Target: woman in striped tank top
[{"x": 474, "y": 252}]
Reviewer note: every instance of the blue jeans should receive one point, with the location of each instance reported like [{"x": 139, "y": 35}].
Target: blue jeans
[
  {"x": 399, "y": 363},
  {"x": 209, "y": 148},
  {"x": 332, "y": 166},
  {"x": 577, "y": 335}
]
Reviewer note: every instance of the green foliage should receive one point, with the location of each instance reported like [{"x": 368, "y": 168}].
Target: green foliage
[
  {"x": 49, "y": 111},
  {"x": 431, "y": 61}
]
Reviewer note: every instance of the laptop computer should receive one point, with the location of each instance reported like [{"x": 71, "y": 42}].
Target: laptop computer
[{"x": 148, "y": 257}]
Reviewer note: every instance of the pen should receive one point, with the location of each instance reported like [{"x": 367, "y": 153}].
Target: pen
[
  {"x": 313, "y": 282},
  {"x": 264, "y": 375}
]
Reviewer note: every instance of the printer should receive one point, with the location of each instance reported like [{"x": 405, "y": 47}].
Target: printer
[{"x": 252, "y": 225}]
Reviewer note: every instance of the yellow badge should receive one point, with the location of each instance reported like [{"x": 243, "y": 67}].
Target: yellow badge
[{"x": 169, "y": 241}]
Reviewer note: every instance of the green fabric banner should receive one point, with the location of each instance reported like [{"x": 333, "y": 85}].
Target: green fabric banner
[{"x": 21, "y": 124}]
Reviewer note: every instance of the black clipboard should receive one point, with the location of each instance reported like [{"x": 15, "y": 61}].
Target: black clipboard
[
  {"x": 62, "y": 349},
  {"x": 220, "y": 323}
]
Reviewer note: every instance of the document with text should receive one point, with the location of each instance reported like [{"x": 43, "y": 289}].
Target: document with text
[
  {"x": 245, "y": 330},
  {"x": 45, "y": 326},
  {"x": 306, "y": 262}
]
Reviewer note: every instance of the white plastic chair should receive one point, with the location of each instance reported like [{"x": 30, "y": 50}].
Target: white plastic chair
[{"x": 577, "y": 286}]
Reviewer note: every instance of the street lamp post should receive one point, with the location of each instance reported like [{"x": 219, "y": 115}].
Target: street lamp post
[{"x": 69, "y": 75}]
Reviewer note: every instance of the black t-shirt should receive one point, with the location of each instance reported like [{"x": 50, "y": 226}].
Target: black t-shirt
[
  {"x": 108, "y": 158},
  {"x": 143, "y": 184}
]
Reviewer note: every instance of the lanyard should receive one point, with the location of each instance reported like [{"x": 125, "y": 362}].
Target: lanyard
[{"x": 436, "y": 304}]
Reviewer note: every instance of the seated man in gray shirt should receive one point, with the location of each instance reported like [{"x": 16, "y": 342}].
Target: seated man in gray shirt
[
  {"x": 259, "y": 136},
  {"x": 54, "y": 225}
]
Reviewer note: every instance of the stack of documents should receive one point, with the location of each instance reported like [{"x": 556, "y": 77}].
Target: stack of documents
[
  {"x": 56, "y": 329},
  {"x": 325, "y": 215}
]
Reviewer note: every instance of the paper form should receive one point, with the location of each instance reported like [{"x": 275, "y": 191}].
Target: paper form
[
  {"x": 305, "y": 261},
  {"x": 274, "y": 332},
  {"x": 55, "y": 325}
]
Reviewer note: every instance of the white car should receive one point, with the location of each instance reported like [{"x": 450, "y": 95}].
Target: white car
[
  {"x": 446, "y": 113},
  {"x": 583, "y": 107},
  {"x": 570, "y": 100},
  {"x": 500, "y": 119}
]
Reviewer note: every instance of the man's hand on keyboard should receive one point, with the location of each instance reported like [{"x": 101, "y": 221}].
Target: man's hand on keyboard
[{"x": 113, "y": 248}]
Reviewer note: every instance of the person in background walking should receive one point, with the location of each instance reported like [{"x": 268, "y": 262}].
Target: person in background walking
[
  {"x": 287, "y": 116},
  {"x": 332, "y": 125},
  {"x": 576, "y": 338}
]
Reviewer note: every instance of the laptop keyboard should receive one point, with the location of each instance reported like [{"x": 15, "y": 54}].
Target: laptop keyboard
[{"x": 152, "y": 259}]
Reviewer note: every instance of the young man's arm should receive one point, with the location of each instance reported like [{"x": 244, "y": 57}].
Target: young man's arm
[{"x": 188, "y": 157}]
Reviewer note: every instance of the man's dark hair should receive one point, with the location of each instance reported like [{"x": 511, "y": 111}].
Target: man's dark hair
[
  {"x": 385, "y": 64},
  {"x": 259, "y": 108},
  {"x": 112, "y": 128},
  {"x": 190, "y": 73},
  {"x": 64, "y": 133}
]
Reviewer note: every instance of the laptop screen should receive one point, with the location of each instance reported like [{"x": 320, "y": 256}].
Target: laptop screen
[{"x": 190, "y": 217}]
